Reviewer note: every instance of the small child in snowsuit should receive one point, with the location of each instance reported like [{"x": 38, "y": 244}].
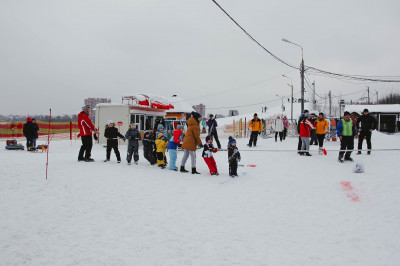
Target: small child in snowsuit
[
  {"x": 161, "y": 144},
  {"x": 173, "y": 144},
  {"x": 208, "y": 156},
  {"x": 148, "y": 147},
  {"x": 111, "y": 134},
  {"x": 133, "y": 136},
  {"x": 233, "y": 157}
]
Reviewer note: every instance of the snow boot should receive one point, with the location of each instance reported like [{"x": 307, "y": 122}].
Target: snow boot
[
  {"x": 359, "y": 152},
  {"x": 349, "y": 159},
  {"x": 106, "y": 160},
  {"x": 194, "y": 171},
  {"x": 340, "y": 160},
  {"x": 183, "y": 170},
  {"x": 89, "y": 160},
  {"x": 308, "y": 154}
]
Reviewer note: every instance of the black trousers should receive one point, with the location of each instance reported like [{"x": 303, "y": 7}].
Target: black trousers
[
  {"x": 313, "y": 140},
  {"x": 233, "y": 168},
  {"x": 364, "y": 134},
  {"x": 214, "y": 135},
  {"x": 346, "y": 146},
  {"x": 149, "y": 155},
  {"x": 86, "y": 149},
  {"x": 29, "y": 143},
  {"x": 280, "y": 135},
  {"x": 132, "y": 151},
  {"x": 321, "y": 138},
  {"x": 299, "y": 145},
  {"x": 113, "y": 145},
  {"x": 253, "y": 138},
  {"x": 284, "y": 133}
]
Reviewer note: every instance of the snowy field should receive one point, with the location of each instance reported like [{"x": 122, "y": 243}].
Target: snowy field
[{"x": 288, "y": 210}]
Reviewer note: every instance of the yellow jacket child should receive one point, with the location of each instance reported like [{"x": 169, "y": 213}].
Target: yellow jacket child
[{"x": 161, "y": 144}]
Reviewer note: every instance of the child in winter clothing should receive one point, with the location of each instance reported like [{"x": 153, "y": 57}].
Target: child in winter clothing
[
  {"x": 161, "y": 144},
  {"x": 285, "y": 126},
  {"x": 148, "y": 147},
  {"x": 111, "y": 133},
  {"x": 233, "y": 157},
  {"x": 160, "y": 130},
  {"x": 173, "y": 144},
  {"x": 133, "y": 136},
  {"x": 208, "y": 156},
  {"x": 305, "y": 128}
]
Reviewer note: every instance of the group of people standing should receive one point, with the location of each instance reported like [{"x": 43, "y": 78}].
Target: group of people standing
[
  {"x": 31, "y": 133},
  {"x": 156, "y": 145},
  {"x": 348, "y": 128}
]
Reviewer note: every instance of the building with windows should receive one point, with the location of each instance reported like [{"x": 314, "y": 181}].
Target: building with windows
[
  {"x": 200, "y": 108},
  {"x": 387, "y": 115}
]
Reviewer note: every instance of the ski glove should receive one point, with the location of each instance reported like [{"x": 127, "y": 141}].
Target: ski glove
[{"x": 95, "y": 136}]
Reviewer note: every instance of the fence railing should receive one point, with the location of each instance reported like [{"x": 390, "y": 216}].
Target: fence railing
[{"x": 64, "y": 130}]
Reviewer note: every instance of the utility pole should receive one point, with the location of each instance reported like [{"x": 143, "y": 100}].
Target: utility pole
[
  {"x": 314, "y": 102},
  {"x": 330, "y": 103},
  {"x": 368, "y": 94},
  {"x": 302, "y": 85}
]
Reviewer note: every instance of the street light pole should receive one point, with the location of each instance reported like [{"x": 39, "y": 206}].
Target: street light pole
[
  {"x": 291, "y": 99},
  {"x": 301, "y": 72}
]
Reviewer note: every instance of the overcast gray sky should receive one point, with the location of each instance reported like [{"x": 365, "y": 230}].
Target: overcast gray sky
[{"x": 53, "y": 54}]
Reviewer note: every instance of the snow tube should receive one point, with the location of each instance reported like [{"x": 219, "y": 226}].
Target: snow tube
[{"x": 15, "y": 147}]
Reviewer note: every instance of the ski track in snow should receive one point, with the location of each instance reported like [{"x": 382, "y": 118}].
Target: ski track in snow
[{"x": 288, "y": 210}]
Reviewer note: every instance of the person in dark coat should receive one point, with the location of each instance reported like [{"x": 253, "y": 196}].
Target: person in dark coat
[
  {"x": 346, "y": 131},
  {"x": 36, "y": 130},
  {"x": 233, "y": 157},
  {"x": 29, "y": 133},
  {"x": 111, "y": 134},
  {"x": 133, "y": 136},
  {"x": 149, "y": 147},
  {"x": 366, "y": 123},
  {"x": 212, "y": 130}
]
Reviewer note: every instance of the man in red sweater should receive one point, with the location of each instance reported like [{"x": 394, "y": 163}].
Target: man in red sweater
[{"x": 86, "y": 128}]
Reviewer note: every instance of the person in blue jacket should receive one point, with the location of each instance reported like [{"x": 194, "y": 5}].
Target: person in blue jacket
[
  {"x": 173, "y": 144},
  {"x": 346, "y": 131}
]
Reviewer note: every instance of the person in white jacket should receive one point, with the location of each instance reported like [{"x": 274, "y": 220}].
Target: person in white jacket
[{"x": 278, "y": 127}]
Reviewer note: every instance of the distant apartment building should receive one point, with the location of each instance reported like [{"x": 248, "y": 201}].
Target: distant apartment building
[
  {"x": 200, "y": 108},
  {"x": 92, "y": 103}
]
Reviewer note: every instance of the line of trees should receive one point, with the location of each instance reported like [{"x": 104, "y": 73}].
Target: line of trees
[{"x": 392, "y": 98}]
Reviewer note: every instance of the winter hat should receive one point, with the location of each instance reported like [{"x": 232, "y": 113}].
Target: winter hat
[
  {"x": 146, "y": 133},
  {"x": 196, "y": 115},
  {"x": 159, "y": 127},
  {"x": 28, "y": 119},
  {"x": 211, "y": 116},
  {"x": 255, "y": 114},
  {"x": 161, "y": 136},
  {"x": 346, "y": 113},
  {"x": 305, "y": 111},
  {"x": 208, "y": 138},
  {"x": 365, "y": 110},
  {"x": 321, "y": 114},
  {"x": 85, "y": 106},
  {"x": 231, "y": 141},
  {"x": 179, "y": 127},
  {"x": 110, "y": 122}
]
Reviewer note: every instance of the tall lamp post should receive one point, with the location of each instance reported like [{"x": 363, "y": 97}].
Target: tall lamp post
[
  {"x": 301, "y": 72},
  {"x": 291, "y": 99}
]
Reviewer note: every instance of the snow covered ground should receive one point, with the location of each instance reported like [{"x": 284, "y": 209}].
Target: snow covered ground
[{"x": 288, "y": 210}]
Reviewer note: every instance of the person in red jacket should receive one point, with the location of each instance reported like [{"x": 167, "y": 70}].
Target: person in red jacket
[
  {"x": 305, "y": 128},
  {"x": 86, "y": 129}
]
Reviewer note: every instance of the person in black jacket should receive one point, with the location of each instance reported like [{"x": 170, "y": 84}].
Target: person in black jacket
[
  {"x": 133, "y": 136},
  {"x": 149, "y": 147},
  {"x": 233, "y": 157},
  {"x": 111, "y": 133},
  {"x": 212, "y": 130},
  {"x": 366, "y": 123},
  {"x": 29, "y": 133}
]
